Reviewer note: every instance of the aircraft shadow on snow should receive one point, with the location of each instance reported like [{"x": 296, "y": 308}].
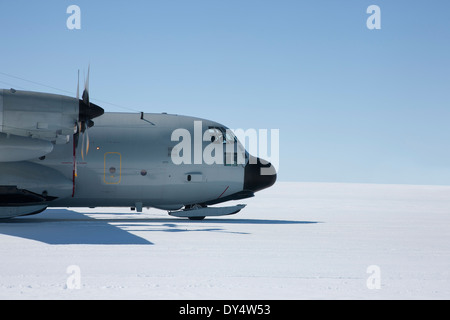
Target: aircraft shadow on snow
[{"x": 63, "y": 227}]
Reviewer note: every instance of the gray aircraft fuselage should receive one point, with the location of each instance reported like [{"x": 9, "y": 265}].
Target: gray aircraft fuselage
[{"x": 130, "y": 163}]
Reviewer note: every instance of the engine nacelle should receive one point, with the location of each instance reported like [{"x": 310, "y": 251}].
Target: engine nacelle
[
  {"x": 16, "y": 148},
  {"x": 42, "y": 116},
  {"x": 11, "y": 212},
  {"x": 31, "y": 184}
]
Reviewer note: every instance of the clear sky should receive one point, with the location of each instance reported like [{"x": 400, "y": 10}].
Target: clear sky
[{"x": 351, "y": 104}]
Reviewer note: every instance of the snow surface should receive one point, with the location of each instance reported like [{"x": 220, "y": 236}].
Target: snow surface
[{"x": 292, "y": 241}]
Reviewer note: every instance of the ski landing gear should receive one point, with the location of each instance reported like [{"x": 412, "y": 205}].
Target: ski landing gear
[{"x": 199, "y": 212}]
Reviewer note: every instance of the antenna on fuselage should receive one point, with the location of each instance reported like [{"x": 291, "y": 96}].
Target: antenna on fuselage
[{"x": 142, "y": 118}]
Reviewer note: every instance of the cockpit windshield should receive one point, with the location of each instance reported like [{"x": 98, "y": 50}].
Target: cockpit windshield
[
  {"x": 234, "y": 153},
  {"x": 221, "y": 135}
]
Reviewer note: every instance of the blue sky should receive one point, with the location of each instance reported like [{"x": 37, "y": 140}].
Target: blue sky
[{"x": 351, "y": 104}]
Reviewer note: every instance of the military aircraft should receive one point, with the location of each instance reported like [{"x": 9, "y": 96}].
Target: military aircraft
[{"x": 52, "y": 154}]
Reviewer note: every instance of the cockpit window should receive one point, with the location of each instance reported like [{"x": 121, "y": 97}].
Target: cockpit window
[
  {"x": 221, "y": 135},
  {"x": 216, "y": 134},
  {"x": 230, "y": 137},
  {"x": 233, "y": 152}
]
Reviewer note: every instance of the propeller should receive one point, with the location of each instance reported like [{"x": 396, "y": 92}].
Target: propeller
[
  {"x": 84, "y": 124},
  {"x": 87, "y": 112}
]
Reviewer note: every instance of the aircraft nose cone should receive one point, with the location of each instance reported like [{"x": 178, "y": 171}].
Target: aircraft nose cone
[{"x": 259, "y": 176}]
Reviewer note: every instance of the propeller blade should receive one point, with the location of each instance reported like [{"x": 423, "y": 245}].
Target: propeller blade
[
  {"x": 86, "y": 89},
  {"x": 85, "y": 150},
  {"x": 78, "y": 86},
  {"x": 87, "y": 142},
  {"x": 82, "y": 146},
  {"x": 74, "y": 169}
]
